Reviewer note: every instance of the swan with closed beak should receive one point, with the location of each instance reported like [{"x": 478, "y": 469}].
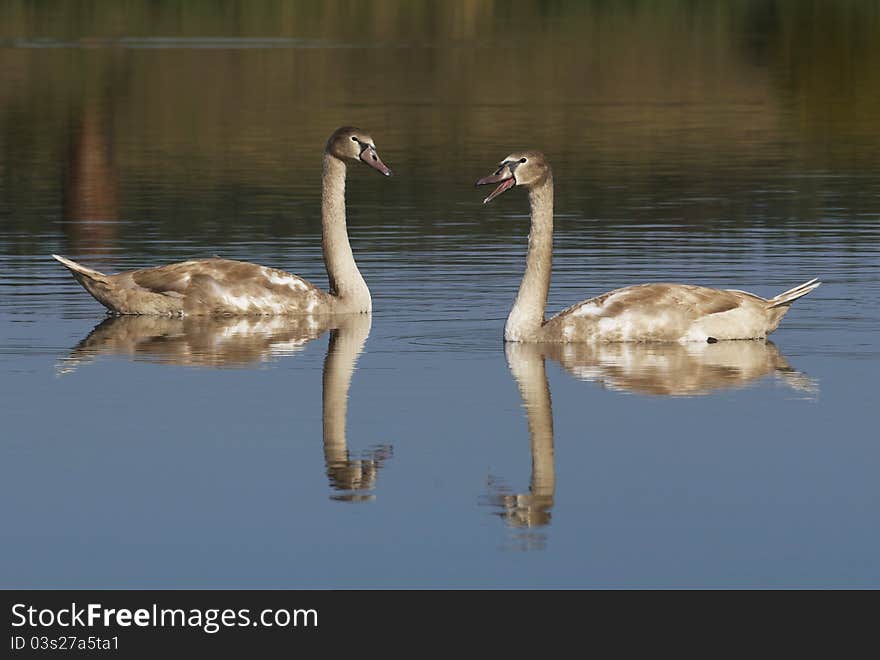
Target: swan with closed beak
[
  {"x": 222, "y": 287},
  {"x": 658, "y": 312}
]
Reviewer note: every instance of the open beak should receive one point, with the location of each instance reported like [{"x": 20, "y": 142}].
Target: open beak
[
  {"x": 371, "y": 158},
  {"x": 504, "y": 176}
]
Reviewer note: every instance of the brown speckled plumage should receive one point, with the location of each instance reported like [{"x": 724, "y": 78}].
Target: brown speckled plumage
[
  {"x": 222, "y": 287},
  {"x": 643, "y": 313}
]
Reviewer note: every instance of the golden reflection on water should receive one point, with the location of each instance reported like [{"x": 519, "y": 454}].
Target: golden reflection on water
[
  {"x": 638, "y": 368},
  {"x": 89, "y": 187},
  {"x": 198, "y": 100},
  {"x": 231, "y": 342}
]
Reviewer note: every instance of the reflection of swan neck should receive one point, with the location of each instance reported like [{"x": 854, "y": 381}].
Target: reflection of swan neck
[
  {"x": 346, "y": 281},
  {"x": 527, "y": 315},
  {"x": 346, "y": 344},
  {"x": 527, "y": 366}
]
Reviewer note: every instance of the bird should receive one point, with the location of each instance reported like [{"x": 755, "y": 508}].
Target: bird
[
  {"x": 656, "y": 312},
  {"x": 224, "y": 287}
]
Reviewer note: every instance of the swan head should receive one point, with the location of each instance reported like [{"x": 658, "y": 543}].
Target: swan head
[
  {"x": 349, "y": 143},
  {"x": 522, "y": 168}
]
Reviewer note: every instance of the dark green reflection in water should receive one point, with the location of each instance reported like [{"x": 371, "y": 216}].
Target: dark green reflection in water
[{"x": 194, "y": 118}]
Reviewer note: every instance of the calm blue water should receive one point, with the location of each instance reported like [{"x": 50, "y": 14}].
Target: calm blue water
[{"x": 175, "y": 456}]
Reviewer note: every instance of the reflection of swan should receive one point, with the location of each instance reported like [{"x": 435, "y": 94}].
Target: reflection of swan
[
  {"x": 532, "y": 509},
  {"x": 240, "y": 341},
  {"x": 353, "y": 477},
  {"x": 645, "y": 312},
  {"x": 197, "y": 341},
  {"x": 676, "y": 369},
  {"x": 223, "y": 287},
  {"x": 659, "y": 369}
]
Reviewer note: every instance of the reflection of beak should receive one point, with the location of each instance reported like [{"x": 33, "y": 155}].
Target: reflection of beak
[
  {"x": 371, "y": 158},
  {"x": 504, "y": 175}
]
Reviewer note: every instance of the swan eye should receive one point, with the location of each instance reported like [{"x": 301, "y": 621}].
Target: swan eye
[
  {"x": 353, "y": 138},
  {"x": 522, "y": 160}
]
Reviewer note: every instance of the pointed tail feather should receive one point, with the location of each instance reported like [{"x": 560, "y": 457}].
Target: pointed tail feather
[
  {"x": 788, "y": 297},
  {"x": 100, "y": 286},
  {"x": 78, "y": 269}
]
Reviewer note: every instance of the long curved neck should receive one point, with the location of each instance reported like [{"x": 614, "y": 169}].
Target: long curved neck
[
  {"x": 527, "y": 315},
  {"x": 347, "y": 284}
]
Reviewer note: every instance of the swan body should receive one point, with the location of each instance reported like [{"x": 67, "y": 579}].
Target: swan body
[
  {"x": 657, "y": 312},
  {"x": 669, "y": 312},
  {"x": 223, "y": 287},
  {"x": 216, "y": 287}
]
